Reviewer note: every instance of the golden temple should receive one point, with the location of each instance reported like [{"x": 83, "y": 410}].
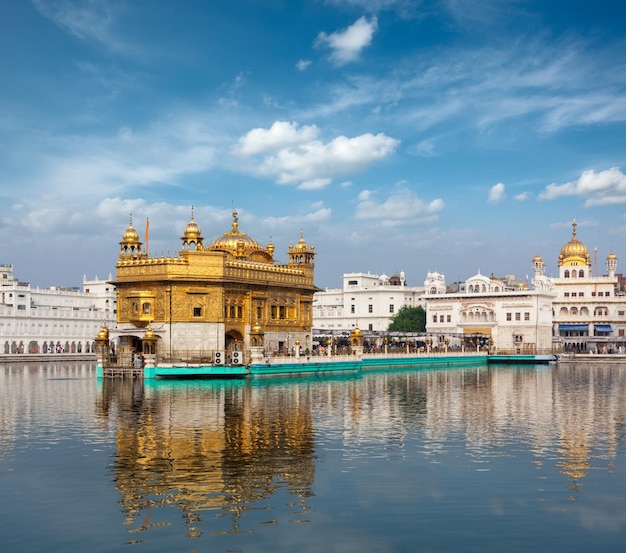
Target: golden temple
[{"x": 221, "y": 298}]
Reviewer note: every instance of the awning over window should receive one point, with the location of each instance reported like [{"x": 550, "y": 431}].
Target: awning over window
[
  {"x": 574, "y": 326},
  {"x": 603, "y": 328}
]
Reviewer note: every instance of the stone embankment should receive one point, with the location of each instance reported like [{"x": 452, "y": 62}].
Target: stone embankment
[{"x": 590, "y": 359}]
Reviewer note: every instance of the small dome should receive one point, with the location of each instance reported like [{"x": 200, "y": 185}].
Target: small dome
[
  {"x": 192, "y": 230},
  {"x": 130, "y": 236},
  {"x": 301, "y": 244},
  {"x": 103, "y": 334},
  {"x": 611, "y": 256},
  {"x": 574, "y": 252},
  {"x": 356, "y": 332}
]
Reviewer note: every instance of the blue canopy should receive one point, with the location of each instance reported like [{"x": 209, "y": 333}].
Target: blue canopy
[
  {"x": 603, "y": 328},
  {"x": 574, "y": 326}
]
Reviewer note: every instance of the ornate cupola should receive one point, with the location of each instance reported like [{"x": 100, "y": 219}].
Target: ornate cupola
[
  {"x": 192, "y": 237},
  {"x": 130, "y": 246},
  {"x": 574, "y": 253},
  {"x": 539, "y": 267},
  {"x": 301, "y": 253},
  {"x": 611, "y": 264}
]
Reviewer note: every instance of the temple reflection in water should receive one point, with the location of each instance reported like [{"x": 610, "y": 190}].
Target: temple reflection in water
[
  {"x": 231, "y": 446},
  {"x": 223, "y": 450}
]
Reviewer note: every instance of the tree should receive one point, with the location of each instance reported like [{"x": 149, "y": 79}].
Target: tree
[{"x": 408, "y": 319}]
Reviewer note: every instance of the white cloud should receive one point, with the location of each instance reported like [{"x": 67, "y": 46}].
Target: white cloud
[
  {"x": 320, "y": 214},
  {"x": 522, "y": 197},
  {"x": 496, "y": 193},
  {"x": 425, "y": 148},
  {"x": 281, "y": 134},
  {"x": 347, "y": 44},
  {"x": 314, "y": 184},
  {"x": 91, "y": 20},
  {"x": 402, "y": 207},
  {"x": 313, "y": 162},
  {"x": 607, "y": 187},
  {"x": 303, "y": 64},
  {"x": 82, "y": 19}
]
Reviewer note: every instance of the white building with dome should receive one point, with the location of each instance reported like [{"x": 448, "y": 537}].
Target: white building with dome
[
  {"x": 490, "y": 314},
  {"x": 589, "y": 311},
  {"x": 367, "y": 301}
]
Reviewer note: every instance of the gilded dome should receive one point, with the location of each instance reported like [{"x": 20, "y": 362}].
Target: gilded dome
[
  {"x": 611, "y": 256},
  {"x": 103, "y": 333},
  {"x": 239, "y": 244},
  {"x": 192, "y": 230},
  {"x": 130, "y": 246},
  {"x": 130, "y": 236},
  {"x": 574, "y": 252}
]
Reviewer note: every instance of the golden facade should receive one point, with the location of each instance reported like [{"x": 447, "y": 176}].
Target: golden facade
[{"x": 226, "y": 296}]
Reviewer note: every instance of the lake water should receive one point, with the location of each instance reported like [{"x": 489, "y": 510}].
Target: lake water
[{"x": 504, "y": 459}]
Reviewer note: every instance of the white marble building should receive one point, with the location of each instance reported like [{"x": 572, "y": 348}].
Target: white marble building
[
  {"x": 366, "y": 301},
  {"x": 489, "y": 314},
  {"x": 589, "y": 310},
  {"x": 49, "y": 320}
]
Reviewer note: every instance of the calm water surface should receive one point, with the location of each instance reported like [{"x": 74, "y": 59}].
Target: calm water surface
[{"x": 501, "y": 459}]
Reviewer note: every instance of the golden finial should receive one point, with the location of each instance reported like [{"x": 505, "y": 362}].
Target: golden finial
[{"x": 235, "y": 220}]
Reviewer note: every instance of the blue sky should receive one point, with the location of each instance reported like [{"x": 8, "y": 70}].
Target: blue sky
[{"x": 398, "y": 135}]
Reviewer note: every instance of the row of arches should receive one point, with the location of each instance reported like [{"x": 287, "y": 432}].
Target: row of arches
[
  {"x": 48, "y": 346},
  {"x": 600, "y": 311},
  {"x": 574, "y": 273},
  {"x": 484, "y": 316}
]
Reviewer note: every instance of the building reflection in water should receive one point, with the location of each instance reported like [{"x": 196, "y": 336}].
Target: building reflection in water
[
  {"x": 214, "y": 446},
  {"x": 230, "y": 446}
]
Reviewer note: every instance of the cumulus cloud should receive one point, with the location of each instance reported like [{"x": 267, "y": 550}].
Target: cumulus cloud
[
  {"x": 296, "y": 156},
  {"x": 281, "y": 134},
  {"x": 400, "y": 208},
  {"x": 496, "y": 193},
  {"x": 347, "y": 44},
  {"x": 607, "y": 187},
  {"x": 316, "y": 163}
]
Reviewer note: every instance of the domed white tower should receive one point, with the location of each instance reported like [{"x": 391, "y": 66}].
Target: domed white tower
[{"x": 574, "y": 259}]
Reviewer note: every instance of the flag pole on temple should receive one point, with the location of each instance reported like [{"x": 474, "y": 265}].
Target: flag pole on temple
[{"x": 147, "y": 228}]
